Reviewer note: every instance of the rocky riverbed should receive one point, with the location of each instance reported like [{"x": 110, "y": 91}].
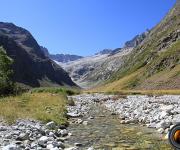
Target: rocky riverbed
[
  {"x": 139, "y": 113},
  {"x": 31, "y": 134},
  {"x": 100, "y": 122}
]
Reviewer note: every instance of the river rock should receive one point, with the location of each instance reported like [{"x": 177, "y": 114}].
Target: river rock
[
  {"x": 11, "y": 147},
  {"x": 167, "y": 108},
  {"x": 73, "y": 115},
  {"x": 51, "y": 125},
  {"x": 161, "y": 130},
  {"x": 23, "y": 136},
  {"x": 43, "y": 141}
]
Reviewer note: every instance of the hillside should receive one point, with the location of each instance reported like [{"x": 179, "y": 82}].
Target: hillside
[
  {"x": 31, "y": 67},
  {"x": 93, "y": 70},
  {"x": 154, "y": 63}
]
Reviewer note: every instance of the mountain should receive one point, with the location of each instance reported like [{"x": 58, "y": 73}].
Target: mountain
[
  {"x": 104, "y": 51},
  {"x": 93, "y": 70},
  {"x": 62, "y": 58},
  {"x": 31, "y": 67},
  {"x": 155, "y": 62},
  {"x": 137, "y": 39}
]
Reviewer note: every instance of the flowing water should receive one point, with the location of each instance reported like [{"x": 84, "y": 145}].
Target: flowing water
[{"x": 105, "y": 132}]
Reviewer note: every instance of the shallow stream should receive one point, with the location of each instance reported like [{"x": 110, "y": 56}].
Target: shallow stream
[{"x": 105, "y": 132}]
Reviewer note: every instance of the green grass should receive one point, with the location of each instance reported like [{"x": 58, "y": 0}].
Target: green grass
[
  {"x": 56, "y": 90},
  {"x": 44, "y": 104}
]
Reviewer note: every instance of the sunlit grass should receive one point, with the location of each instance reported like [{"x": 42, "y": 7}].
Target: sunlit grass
[
  {"x": 137, "y": 92},
  {"x": 41, "y": 106}
]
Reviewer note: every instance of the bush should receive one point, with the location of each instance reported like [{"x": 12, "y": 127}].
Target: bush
[{"x": 6, "y": 72}]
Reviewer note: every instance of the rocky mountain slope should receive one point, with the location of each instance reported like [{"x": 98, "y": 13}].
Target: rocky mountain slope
[
  {"x": 93, "y": 70},
  {"x": 31, "y": 67},
  {"x": 96, "y": 69},
  {"x": 63, "y": 58},
  {"x": 155, "y": 63}
]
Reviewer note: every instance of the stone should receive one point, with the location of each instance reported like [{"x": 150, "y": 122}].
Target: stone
[
  {"x": 163, "y": 125},
  {"x": 78, "y": 144},
  {"x": 176, "y": 119},
  {"x": 23, "y": 137},
  {"x": 64, "y": 132},
  {"x": 161, "y": 130},
  {"x": 79, "y": 121},
  {"x": 91, "y": 117},
  {"x": 11, "y": 147},
  {"x": 167, "y": 108},
  {"x": 51, "y": 134},
  {"x": 73, "y": 115},
  {"x": 71, "y": 148},
  {"x": 51, "y": 125},
  {"x": 85, "y": 123},
  {"x": 90, "y": 148},
  {"x": 163, "y": 114},
  {"x": 50, "y": 146},
  {"x": 43, "y": 140}
]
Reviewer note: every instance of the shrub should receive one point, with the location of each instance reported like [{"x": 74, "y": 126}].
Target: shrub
[{"x": 6, "y": 72}]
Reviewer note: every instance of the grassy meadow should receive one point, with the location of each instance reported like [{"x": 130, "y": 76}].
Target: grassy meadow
[{"x": 44, "y": 104}]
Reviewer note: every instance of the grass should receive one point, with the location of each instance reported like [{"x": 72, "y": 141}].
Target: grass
[
  {"x": 137, "y": 92},
  {"x": 56, "y": 90},
  {"x": 40, "y": 105}
]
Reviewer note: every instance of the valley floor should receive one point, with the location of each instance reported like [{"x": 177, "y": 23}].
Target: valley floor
[{"x": 96, "y": 121}]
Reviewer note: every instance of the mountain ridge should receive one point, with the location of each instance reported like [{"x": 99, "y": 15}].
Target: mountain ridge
[
  {"x": 155, "y": 63},
  {"x": 31, "y": 67}
]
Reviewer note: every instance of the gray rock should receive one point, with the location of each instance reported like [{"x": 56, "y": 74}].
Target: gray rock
[
  {"x": 43, "y": 141},
  {"x": 64, "y": 132},
  {"x": 161, "y": 130},
  {"x": 11, "y": 147},
  {"x": 23, "y": 136},
  {"x": 73, "y": 115},
  {"x": 51, "y": 125}
]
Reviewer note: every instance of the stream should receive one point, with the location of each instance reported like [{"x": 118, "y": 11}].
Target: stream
[{"x": 103, "y": 131}]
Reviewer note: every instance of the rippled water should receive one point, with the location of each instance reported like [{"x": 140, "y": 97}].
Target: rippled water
[{"x": 104, "y": 132}]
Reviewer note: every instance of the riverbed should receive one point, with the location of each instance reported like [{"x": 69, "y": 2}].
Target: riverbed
[{"x": 101, "y": 129}]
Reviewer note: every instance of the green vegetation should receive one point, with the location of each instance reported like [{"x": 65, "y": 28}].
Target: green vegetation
[
  {"x": 154, "y": 64},
  {"x": 123, "y": 93},
  {"x": 56, "y": 90},
  {"x": 44, "y": 104},
  {"x": 41, "y": 106},
  {"x": 6, "y": 83}
]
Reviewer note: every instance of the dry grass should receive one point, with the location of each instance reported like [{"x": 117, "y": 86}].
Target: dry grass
[
  {"x": 138, "y": 92},
  {"x": 42, "y": 106}
]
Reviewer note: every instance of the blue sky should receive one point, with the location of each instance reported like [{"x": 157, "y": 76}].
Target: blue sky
[{"x": 84, "y": 27}]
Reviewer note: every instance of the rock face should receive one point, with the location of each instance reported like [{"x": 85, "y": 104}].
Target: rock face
[
  {"x": 62, "y": 58},
  {"x": 31, "y": 67},
  {"x": 138, "y": 39}
]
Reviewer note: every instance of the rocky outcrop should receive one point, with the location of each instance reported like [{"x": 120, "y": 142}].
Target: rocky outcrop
[
  {"x": 137, "y": 39},
  {"x": 31, "y": 67}
]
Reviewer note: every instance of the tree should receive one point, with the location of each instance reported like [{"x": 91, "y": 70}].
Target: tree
[{"x": 6, "y": 72}]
